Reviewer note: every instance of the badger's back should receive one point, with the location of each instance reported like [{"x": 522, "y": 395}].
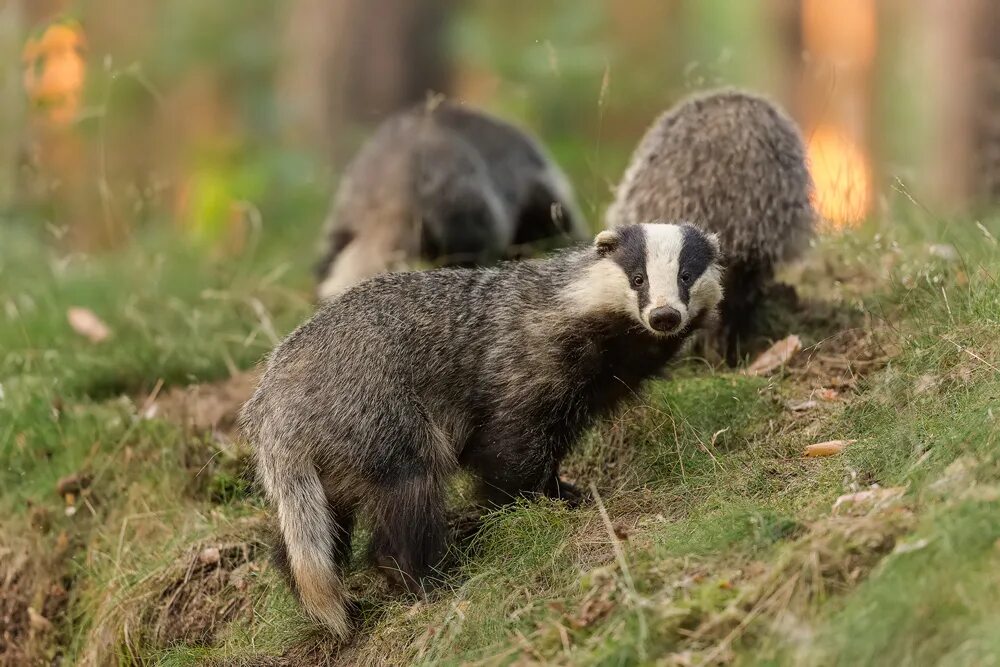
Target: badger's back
[
  {"x": 731, "y": 163},
  {"x": 449, "y": 335}
]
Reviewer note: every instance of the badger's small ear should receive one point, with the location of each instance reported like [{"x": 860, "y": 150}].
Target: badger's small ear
[
  {"x": 606, "y": 242},
  {"x": 713, "y": 239}
]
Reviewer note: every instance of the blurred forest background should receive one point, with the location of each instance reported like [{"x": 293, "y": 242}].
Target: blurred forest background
[{"x": 225, "y": 117}]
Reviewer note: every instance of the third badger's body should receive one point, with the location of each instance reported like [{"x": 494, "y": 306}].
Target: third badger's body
[
  {"x": 446, "y": 185},
  {"x": 372, "y": 404},
  {"x": 734, "y": 164}
]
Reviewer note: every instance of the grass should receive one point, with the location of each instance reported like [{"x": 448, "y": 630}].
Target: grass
[{"x": 713, "y": 539}]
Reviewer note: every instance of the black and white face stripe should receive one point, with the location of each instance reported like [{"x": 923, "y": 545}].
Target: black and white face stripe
[
  {"x": 630, "y": 255},
  {"x": 670, "y": 272},
  {"x": 697, "y": 254}
]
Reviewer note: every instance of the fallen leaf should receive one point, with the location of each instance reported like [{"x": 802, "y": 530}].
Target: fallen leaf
[
  {"x": 827, "y": 394},
  {"x": 775, "y": 356},
  {"x": 829, "y": 448},
  {"x": 874, "y": 496},
  {"x": 87, "y": 324},
  {"x": 73, "y": 483},
  {"x": 621, "y": 532}
]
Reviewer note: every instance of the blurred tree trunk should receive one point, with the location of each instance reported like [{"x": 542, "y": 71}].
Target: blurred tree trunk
[
  {"x": 11, "y": 96},
  {"x": 352, "y": 62},
  {"x": 786, "y": 18},
  {"x": 965, "y": 79}
]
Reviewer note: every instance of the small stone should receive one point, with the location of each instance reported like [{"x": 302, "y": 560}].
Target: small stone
[{"x": 209, "y": 556}]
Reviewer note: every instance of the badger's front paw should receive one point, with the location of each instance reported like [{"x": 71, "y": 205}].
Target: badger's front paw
[{"x": 566, "y": 492}]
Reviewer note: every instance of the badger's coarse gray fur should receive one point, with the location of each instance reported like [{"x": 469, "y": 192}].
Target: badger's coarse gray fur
[
  {"x": 443, "y": 184},
  {"x": 733, "y": 164},
  {"x": 391, "y": 387}
]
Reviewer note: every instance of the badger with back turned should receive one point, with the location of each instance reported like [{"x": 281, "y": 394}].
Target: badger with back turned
[
  {"x": 442, "y": 184},
  {"x": 733, "y": 164},
  {"x": 389, "y": 389}
]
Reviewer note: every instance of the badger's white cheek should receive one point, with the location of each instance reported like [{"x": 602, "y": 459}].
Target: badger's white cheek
[
  {"x": 603, "y": 287},
  {"x": 706, "y": 293}
]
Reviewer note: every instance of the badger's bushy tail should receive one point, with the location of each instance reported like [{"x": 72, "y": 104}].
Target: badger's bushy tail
[{"x": 308, "y": 533}]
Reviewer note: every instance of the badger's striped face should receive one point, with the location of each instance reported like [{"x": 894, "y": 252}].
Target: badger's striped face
[{"x": 664, "y": 275}]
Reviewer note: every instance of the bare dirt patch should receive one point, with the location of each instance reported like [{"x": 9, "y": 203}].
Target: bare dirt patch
[
  {"x": 33, "y": 597},
  {"x": 210, "y": 407},
  {"x": 203, "y": 591},
  {"x": 187, "y": 600},
  {"x": 839, "y": 361}
]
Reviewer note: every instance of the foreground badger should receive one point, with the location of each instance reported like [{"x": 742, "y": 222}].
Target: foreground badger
[
  {"x": 389, "y": 389},
  {"x": 734, "y": 164},
  {"x": 443, "y": 184}
]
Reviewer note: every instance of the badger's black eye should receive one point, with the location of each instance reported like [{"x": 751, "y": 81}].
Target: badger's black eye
[
  {"x": 637, "y": 280},
  {"x": 685, "y": 277}
]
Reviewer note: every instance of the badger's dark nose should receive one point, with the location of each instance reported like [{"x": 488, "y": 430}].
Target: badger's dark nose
[{"x": 664, "y": 318}]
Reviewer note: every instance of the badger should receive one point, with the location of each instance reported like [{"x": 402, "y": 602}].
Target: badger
[
  {"x": 734, "y": 164},
  {"x": 370, "y": 406},
  {"x": 445, "y": 185}
]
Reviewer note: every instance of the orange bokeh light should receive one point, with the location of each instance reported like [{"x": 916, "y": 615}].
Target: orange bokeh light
[{"x": 842, "y": 175}]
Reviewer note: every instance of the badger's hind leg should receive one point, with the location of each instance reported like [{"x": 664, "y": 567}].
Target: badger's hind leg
[{"x": 409, "y": 531}]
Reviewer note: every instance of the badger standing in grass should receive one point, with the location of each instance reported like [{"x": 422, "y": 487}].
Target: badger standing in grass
[
  {"x": 392, "y": 387},
  {"x": 446, "y": 185},
  {"x": 733, "y": 164}
]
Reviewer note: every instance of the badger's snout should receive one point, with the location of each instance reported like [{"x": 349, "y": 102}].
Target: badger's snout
[{"x": 665, "y": 319}]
